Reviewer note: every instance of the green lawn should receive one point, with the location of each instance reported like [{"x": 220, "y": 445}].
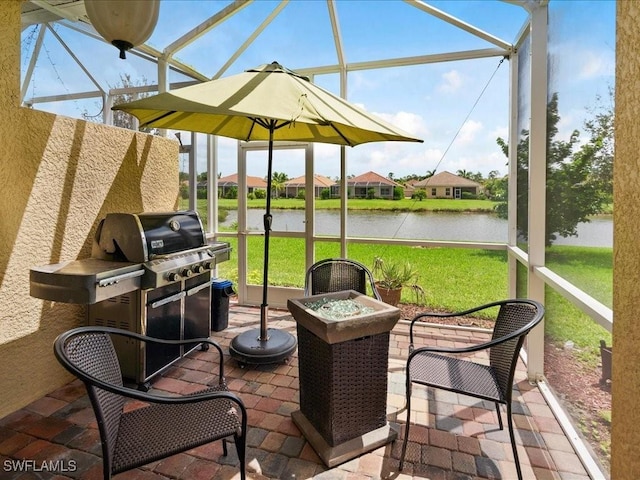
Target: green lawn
[
  {"x": 405, "y": 205},
  {"x": 591, "y": 269},
  {"x": 456, "y": 279},
  {"x": 453, "y": 279}
]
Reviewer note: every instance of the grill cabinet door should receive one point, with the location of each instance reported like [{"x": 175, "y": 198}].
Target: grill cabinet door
[
  {"x": 197, "y": 308},
  {"x": 164, "y": 309}
]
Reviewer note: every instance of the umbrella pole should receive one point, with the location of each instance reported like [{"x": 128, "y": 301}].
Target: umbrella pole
[
  {"x": 264, "y": 346},
  {"x": 267, "y": 221}
]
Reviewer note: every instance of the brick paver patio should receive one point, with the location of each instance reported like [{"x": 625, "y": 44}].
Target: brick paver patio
[{"x": 454, "y": 436}]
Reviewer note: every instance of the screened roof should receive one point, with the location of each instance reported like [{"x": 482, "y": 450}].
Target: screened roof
[
  {"x": 203, "y": 40},
  {"x": 434, "y": 69}
]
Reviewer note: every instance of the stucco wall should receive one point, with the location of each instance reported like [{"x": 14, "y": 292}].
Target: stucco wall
[
  {"x": 625, "y": 463},
  {"x": 60, "y": 176}
]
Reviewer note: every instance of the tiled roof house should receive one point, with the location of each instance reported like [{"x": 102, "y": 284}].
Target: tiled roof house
[
  {"x": 320, "y": 182},
  {"x": 358, "y": 187},
  {"x": 230, "y": 181},
  {"x": 447, "y": 185}
]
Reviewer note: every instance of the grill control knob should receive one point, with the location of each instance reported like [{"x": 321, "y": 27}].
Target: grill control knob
[
  {"x": 209, "y": 265},
  {"x": 186, "y": 272},
  {"x": 198, "y": 269},
  {"x": 173, "y": 277}
]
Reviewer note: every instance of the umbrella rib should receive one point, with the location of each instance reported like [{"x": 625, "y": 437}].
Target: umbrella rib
[
  {"x": 164, "y": 115},
  {"x": 267, "y": 124},
  {"x": 288, "y": 122},
  {"x": 346, "y": 140},
  {"x": 251, "y": 130}
]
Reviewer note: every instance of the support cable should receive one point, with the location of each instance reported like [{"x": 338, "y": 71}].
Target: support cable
[{"x": 475, "y": 104}]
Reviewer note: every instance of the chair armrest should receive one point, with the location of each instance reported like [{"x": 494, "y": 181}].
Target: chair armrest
[
  {"x": 148, "y": 339},
  {"x": 144, "y": 338},
  {"x": 374, "y": 289},
  {"x": 459, "y": 350},
  {"x": 165, "y": 399},
  {"x": 421, "y": 316},
  {"x": 136, "y": 394},
  {"x": 522, "y": 331},
  {"x": 470, "y": 349}
]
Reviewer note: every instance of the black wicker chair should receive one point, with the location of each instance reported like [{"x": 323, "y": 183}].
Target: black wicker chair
[
  {"x": 337, "y": 274},
  {"x": 437, "y": 367},
  {"x": 168, "y": 425}
]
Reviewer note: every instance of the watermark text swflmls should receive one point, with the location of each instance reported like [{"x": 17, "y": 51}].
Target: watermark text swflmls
[{"x": 58, "y": 466}]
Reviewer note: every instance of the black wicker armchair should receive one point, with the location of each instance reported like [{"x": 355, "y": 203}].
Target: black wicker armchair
[
  {"x": 337, "y": 274},
  {"x": 168, "y": 425},
  {"x": 438, "y": 367}
]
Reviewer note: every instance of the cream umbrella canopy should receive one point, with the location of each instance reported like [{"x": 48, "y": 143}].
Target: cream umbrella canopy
[
  {"x": 257, "y": 104},
  {"x": 273, "y": 103}
]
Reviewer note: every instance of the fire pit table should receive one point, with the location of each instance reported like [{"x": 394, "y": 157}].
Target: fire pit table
[{"x": 343, "y": 353}]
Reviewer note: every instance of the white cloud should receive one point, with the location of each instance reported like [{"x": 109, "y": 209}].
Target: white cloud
[
  {"x": 468, "y": 132},
  {"x": 595, "y": 64},
  {"x": 567, "y": 123},
  {"x": 482, "y": 162},
  {"x": 357, "y": 82},
  {"x": 572, "y": 62},
  {"x": 499, "y": 132},
  {"x": 411, "y": 123},
  {"x": 418, "y": 162},
  {"x": 451, "y": 82},
  {"x": 432, "y": 155}
]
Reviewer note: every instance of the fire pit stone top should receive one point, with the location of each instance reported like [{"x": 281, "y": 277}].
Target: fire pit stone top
[{"x": 342, "y": 316}]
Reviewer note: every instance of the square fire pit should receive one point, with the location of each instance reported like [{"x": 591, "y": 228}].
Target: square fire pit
[{"x": 343, "y": 367}]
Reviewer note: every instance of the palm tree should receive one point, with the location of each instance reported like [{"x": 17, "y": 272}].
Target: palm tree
[
  {"x": 463, "y": 173},
  {"x": 476, "y": 177},
  {"x": 277, "y": 182}
]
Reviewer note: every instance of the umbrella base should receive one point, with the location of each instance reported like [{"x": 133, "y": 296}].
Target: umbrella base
[{"x": 247, "y": 348}]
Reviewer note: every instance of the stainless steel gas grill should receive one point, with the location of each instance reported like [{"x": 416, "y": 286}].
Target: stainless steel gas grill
[{"x": 149, "y": 273}]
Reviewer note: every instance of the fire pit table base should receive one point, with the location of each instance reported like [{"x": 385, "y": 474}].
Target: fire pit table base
[
  {"x": 332, "y": 456},
  {"x": 343, "y": 372}
]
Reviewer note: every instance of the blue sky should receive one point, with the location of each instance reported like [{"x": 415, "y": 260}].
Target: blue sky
[{"x": 430, "y": 101}]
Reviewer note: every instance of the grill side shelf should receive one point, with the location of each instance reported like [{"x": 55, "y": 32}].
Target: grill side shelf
[{"x": 85, "y": 281}]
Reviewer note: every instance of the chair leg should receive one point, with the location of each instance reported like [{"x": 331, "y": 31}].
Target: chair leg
[
  {"x": 499, "y": 416},
  {"x": 408, "y": 423},
  {"x": 241, "y": 441},
  {"x": 225, "y": 452},
  {"x": 513, "y": 442}
]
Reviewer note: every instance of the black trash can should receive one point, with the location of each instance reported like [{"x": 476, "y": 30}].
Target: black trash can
[{"x": 221, "y": 290}]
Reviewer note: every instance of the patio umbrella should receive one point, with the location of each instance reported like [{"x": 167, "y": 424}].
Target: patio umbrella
[{"x": 271, "y": 103}]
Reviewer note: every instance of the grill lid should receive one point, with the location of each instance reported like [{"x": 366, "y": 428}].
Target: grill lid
[{"x": 142, "y": 237}]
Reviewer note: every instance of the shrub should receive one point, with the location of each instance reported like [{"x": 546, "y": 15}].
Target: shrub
[
  {"x": 301, "y": 194},
  {"x": 371, "y": 193},
  {"x": 259, "y": 193},
  {"x": 398, "y": 193},
  {"x": 325, "y": 194},
  {"x": 232, "y": 193},
  {"x": 419, "y": 194}
]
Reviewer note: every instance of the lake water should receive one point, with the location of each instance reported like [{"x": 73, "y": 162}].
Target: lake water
[{"x": 480, "y": 227}]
